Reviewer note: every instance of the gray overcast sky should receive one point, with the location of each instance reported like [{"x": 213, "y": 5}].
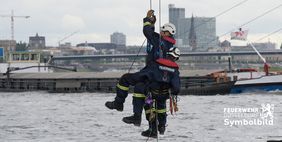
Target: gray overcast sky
[{"x": 96, "y": 20}]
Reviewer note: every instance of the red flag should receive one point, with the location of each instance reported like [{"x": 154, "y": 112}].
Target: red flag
[{"x": 239, "y": 35}]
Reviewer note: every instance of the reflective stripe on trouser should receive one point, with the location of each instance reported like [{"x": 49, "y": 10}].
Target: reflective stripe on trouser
[
  {"x": 122, "y": 93},
  {"x": 161, "y": 111},
  {"x": 154, "y": 110},
  {"x": 128, "y": 79},
  {"x": 138, "y": 104},
  {"x": 138, "y": 95},
  {"x": 138, "y": 100},
  {"x": 124, "y": 88}
]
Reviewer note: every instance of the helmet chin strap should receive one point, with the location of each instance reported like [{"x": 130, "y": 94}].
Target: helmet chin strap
[{"x": 162, "y": 34}]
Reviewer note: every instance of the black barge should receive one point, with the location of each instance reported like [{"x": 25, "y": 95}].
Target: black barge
[{"x": 71, "y": 82}]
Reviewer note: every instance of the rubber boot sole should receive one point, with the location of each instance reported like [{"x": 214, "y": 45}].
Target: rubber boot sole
[{"x": 130, "y": 122}]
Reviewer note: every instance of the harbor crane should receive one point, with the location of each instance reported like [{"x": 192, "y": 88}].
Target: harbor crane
[
  {"x": 12, "y": 16},
  {"x": 66, "y": 37}
]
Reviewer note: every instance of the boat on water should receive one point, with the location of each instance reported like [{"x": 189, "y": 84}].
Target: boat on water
[
  {"x": 232, "y": 82},
  {"x": 251, "y": 80},
  {"x": 264, "y": 83},
  {"x": 271, "y": 82},
  {"x": 210, "y": 84},
  {"x": 235, "y": 81}
]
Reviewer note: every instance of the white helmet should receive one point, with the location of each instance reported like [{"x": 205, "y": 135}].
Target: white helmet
[
  {"x": 175, "y": 52},
  {"x": 169, "y": 27}
]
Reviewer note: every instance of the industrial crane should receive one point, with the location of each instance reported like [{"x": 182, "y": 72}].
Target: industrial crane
[
  {"x": 66, "y": 37},
  {"x": 12, "y": 16}
]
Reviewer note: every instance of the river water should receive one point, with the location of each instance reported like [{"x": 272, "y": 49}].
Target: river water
[{"x": 82, "y": 117}]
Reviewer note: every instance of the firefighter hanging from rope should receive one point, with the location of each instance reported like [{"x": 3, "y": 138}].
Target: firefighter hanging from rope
[{"x": 156, "y": 81}]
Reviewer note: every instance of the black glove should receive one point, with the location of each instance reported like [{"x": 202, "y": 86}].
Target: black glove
[
  {"x": 150, "y": 13},
  {"x": 153, "y": 19}
]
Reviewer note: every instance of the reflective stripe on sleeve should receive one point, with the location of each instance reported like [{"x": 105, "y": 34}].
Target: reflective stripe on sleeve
[{"x": 146, "y": 24}]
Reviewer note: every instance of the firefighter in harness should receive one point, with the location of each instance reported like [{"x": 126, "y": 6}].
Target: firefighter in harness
[
  {"x": 157, "y": 47},
  {"x": 164, "y": 82}
]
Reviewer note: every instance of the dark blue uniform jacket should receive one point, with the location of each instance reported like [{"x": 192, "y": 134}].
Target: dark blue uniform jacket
[
  {"x": 162, "y": 72},
  {"x": 156, "y": 47}
]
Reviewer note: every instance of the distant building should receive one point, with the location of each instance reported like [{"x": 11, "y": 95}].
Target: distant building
[
  {"x": 259, "y": 46},
  {"x": 201, "y": 29},
  {"x": 225, "y": 43},
  {"x": 8, "y": 45},
  {"x": 204, "y": 28},
  {"x": 174, "y": 15},
  {"x": 66, "y": 44},
  {"x": 36, "y": 42},
  {"x": 265, "y": 46},
  {"x": 119, "y": 39},
  {"x": 99, "y": 46},
  {"x": 192, "y": 35}
]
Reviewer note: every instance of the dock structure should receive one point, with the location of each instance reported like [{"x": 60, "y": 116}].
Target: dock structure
[
  {"x": 68, "y": 82},
  {"x": 60, "y": 82},
  {"x": 185, "y": 54}
]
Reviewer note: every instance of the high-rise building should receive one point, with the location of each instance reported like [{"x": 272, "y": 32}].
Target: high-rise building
[
  {"x": 204, "y": 28},
  {"x": 201, "y": 29},
  {"x": 119, "y": 39},
  {"x": 174, "y": 15},
  {"x": 36, "y": 42}
]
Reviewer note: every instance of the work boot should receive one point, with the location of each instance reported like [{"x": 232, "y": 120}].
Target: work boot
[
  {"x": 134, "y": 119},
  {"x": 114, "y": 105},
  {"x": 150, "y": 133},
  {"x": 161, "y": 129}
]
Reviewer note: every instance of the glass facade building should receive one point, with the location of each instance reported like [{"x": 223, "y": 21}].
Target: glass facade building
[
  {"x": 204, "y": 27},
  {"x": 205, "y": 30}
]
